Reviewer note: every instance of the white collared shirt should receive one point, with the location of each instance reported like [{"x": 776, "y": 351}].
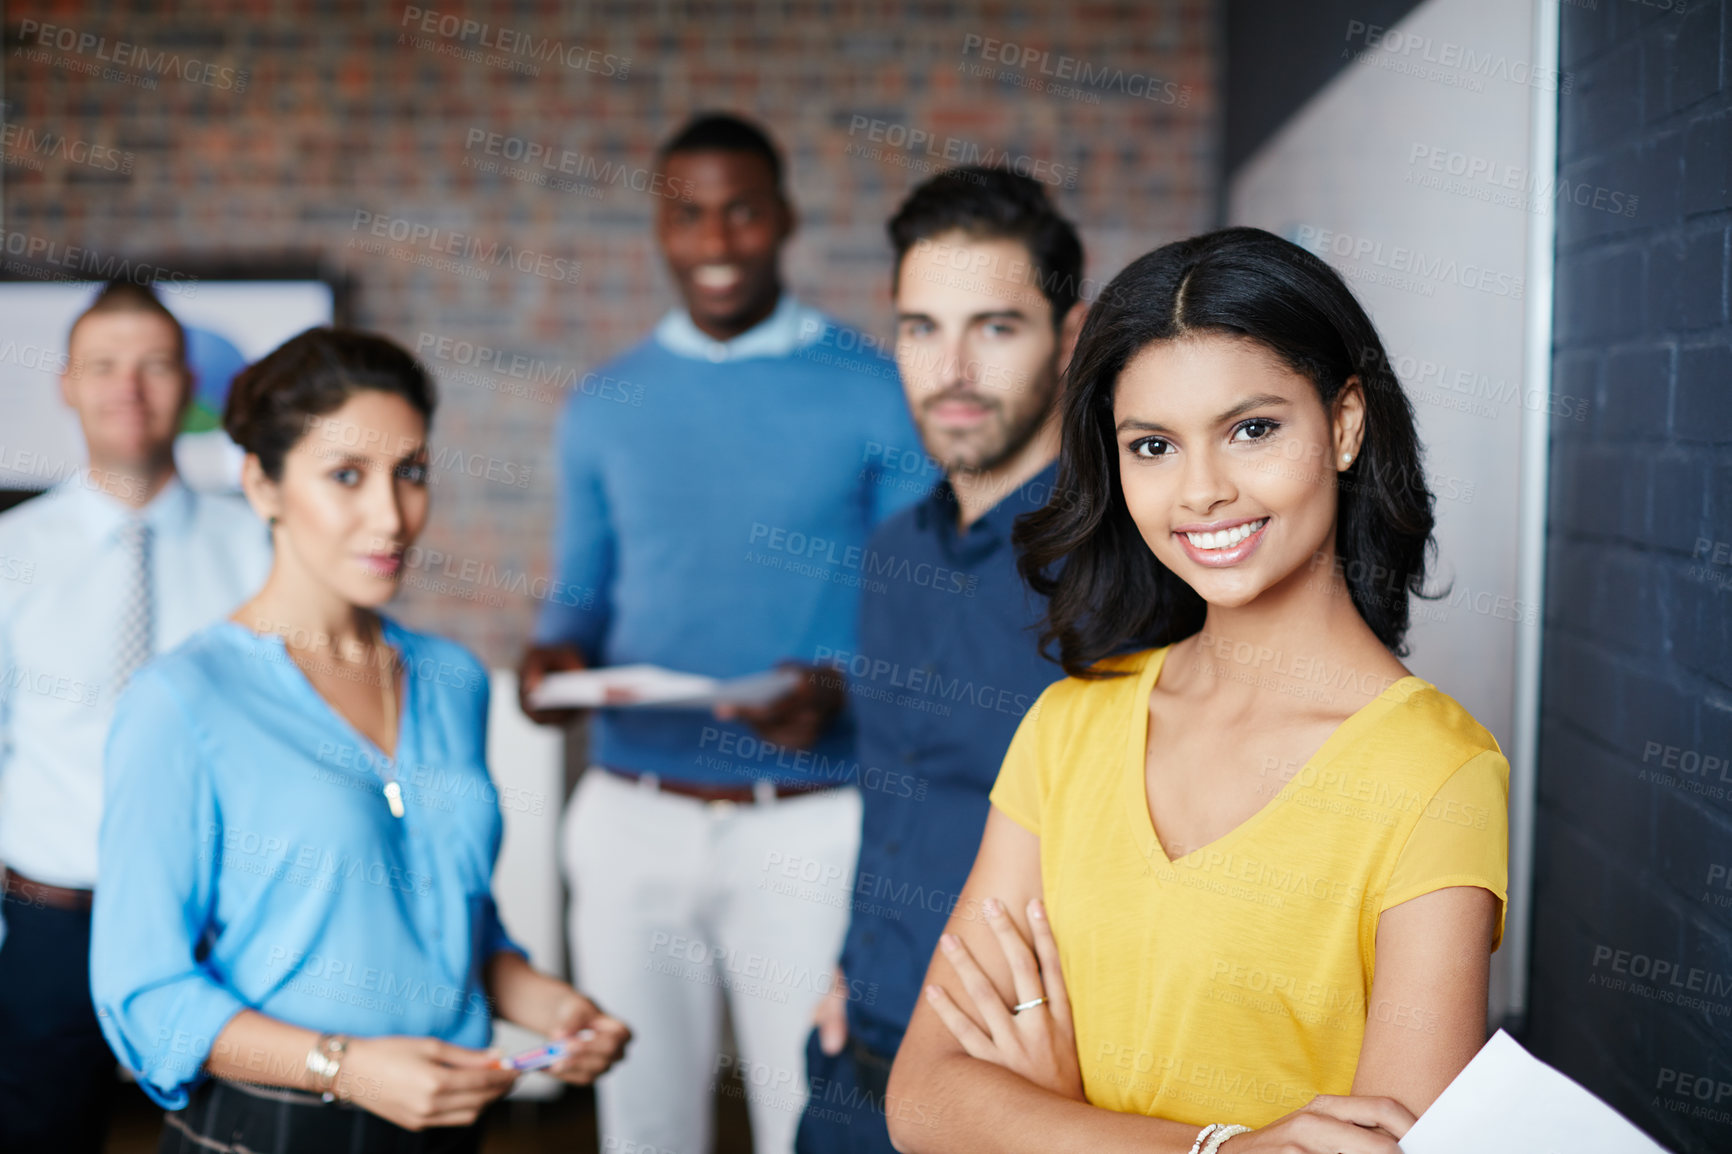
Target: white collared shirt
[
  {"x": 792, "y": 325},
  {"x": 62, "y": 580}
]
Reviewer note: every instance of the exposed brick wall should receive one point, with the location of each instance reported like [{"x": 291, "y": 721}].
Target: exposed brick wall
[
  {"x": 1632, "y": 961},
  {"x": 343, "y": 114}
]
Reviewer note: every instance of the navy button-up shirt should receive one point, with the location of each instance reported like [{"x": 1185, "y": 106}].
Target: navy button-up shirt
[{"x": 948, "y": 663}]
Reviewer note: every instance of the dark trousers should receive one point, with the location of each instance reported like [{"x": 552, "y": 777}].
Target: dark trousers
[
  {"x": 228, "y": 1118},
  {"x": 57, "y": 1074},
  {"x": 846, "y": 1111}
]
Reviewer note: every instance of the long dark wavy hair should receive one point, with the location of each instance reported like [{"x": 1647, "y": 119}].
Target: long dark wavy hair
[{"x": 1106, "y": 591}]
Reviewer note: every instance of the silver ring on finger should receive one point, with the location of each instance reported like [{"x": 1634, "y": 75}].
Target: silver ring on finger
[{"x": 1028, "y": 1005}]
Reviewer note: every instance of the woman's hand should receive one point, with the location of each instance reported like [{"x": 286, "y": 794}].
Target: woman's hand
[
  {"x": 421, "y": 1082},
  {"x": 550, "y": 1007},
  {"x": 594, "y": 1041},
  {"x": 1038, "y": 1043},
  {"x": 1329, "y": 1124}
]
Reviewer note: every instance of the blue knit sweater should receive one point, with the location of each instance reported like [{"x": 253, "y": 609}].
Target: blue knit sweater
[{"x": 712, "y": 518}]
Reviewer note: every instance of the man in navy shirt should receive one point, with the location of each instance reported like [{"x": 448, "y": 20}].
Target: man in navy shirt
[
  {"x": 702, "y": 485},
  {"x": 987, "y": 312}
]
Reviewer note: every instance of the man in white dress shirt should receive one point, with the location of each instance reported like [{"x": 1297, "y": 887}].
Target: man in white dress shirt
[{"x": 117, "y": 562}]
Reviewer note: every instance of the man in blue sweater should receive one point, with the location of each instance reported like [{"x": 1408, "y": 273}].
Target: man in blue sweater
[
  {"x": 987, "y": 313},
  {"x": 712, "y": 517}
]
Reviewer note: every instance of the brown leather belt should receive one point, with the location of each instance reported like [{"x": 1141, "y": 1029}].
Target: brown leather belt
[
  {"x": 19, "y": 888},
  {"x": 737, "y": 794}
]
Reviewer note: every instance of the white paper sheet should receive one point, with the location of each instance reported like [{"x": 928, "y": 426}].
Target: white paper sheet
[
  {"x": 1506, "y": 1101},
  {"x": 625, "y": 686}
]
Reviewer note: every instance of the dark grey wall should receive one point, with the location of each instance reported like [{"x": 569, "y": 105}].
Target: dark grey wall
[
  {"x": 1278, "y": 53},
  {"x": 1632, "y": 961}
]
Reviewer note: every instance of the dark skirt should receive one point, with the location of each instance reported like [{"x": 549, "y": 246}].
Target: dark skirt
[{"x": 231, "y": 1118}]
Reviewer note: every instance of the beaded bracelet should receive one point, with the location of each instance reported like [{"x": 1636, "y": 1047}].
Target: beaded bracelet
[{"x": 1211, "y": 1137}]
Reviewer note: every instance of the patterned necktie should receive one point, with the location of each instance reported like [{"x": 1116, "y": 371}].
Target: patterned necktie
[{"x": 135, "y": 638}]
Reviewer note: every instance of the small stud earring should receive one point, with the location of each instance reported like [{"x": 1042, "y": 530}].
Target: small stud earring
[
  {"x": 272, "y": 522},
  {"x": 1346, "y": 459}
]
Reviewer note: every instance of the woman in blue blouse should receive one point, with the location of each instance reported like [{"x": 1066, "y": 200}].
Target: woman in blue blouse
[{"x": 295, "y": 944}]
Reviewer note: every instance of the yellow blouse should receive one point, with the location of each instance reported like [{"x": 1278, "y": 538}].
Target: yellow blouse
[{"x": 1231, "y": 984}]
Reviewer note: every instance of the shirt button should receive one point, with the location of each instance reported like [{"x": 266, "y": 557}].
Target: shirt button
[
  {"x": 868, "y": 937},
  {"x": 891, "y": 847},
  {"x": 908, "y": 759}
]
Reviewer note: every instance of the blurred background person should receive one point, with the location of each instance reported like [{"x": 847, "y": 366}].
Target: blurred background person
[
  {"x": 300, "y": 950},
  {"x": 124, "y": 561},
  {"x": 981, "y": 354},
  {"x": 762, "y": 423}
]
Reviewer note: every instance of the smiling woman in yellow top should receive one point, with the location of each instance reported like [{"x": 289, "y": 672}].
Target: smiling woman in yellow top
[{"x": 1262, "y": 865}]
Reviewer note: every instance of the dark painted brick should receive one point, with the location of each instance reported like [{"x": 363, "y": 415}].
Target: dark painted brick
[
  {"x": 1555, "y": 945},
  {"x": 1720, "y": 495},
  {"x": 1584, "y": 32},
  {"x": 1599, "y": 496},
  {"x": 1640, "y": 1100},
  {"x": 1625, "y": 920},
  {"x": 1575, "y": 389},
  {"x": 1584, "y": 686},
  {"x": 1694, "y": 855},
  {"x": 1596, "y": 790},
  {"x": 1571, "y": 1045},
  {"x": 1637, "y": 920},
  {"x": 1630, "y": 510},
  {"x": 1637, "y": 387},
  {"x": 1569, "y": 670},
  {"x": 1707, "y": 183},
  {"x": 1561, "y": 494},
  {"x": 1677, "y": 500},
  {"x": 1657, "y": 179},
  {"x": 1701, "y": 596},
  {"x": 1653, "y": 710},
  {"x": 1573, "y": 884},
  {"x": 1628, "y": 605},
  {"x": 1695, "y": 63},
  {"x": 1605, "y": 294},
  {"x": 1716, "y": 721},
  {"x": 1657, "y": 54},
  {"x": 1558, "y": 1031},
  {"x": 1613, "y": 1015},
  {"x": 1599, "y": 196},
  {"x": 1561, "y": 499},
  {"x": 1647, "y": 18},
  {"x": 1702, "y": 408},
  {"x": 1606, "y": 104},
  {"x": 1708, "y": 949},
  {"x": 1688, "y": 278},
  {"x": 1570, "y": 573}
]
